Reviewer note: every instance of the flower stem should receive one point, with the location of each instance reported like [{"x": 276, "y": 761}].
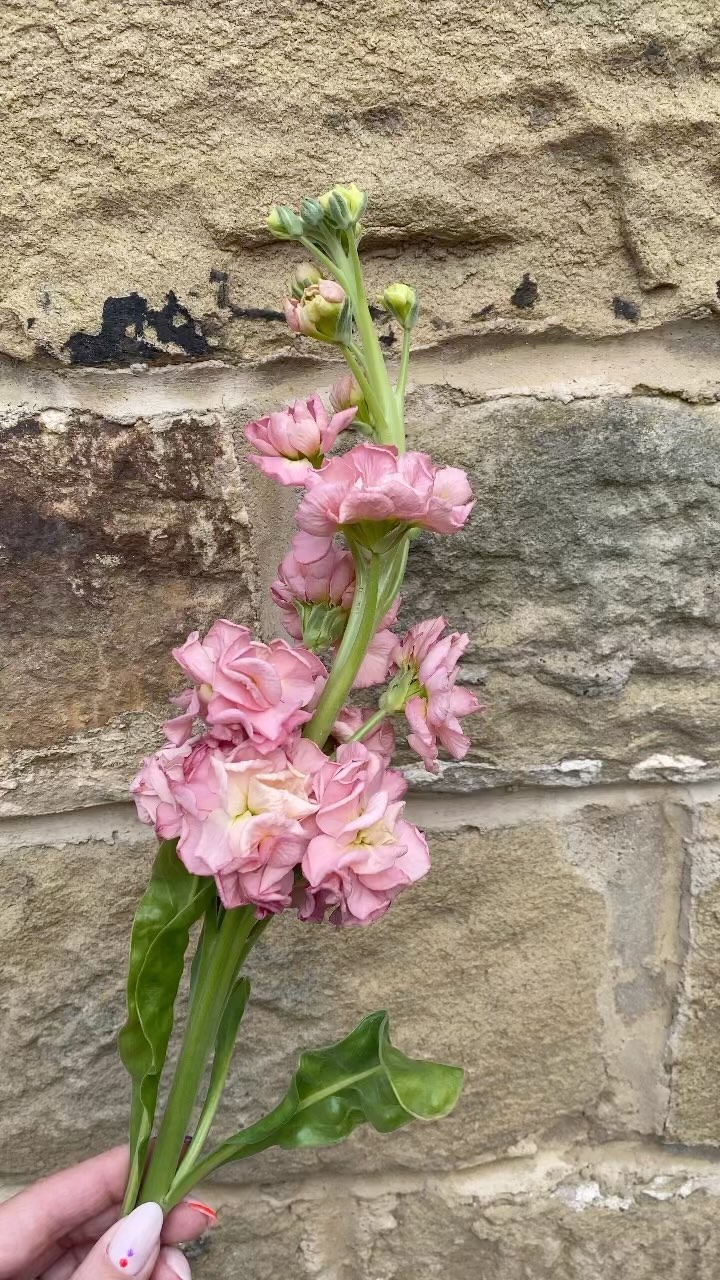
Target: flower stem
[
  {"x": 374, "y": 361},
  {"x": 401, "y": 387},
  {"x": 371, "y": 723},
  {"x": 203, "y": 1023},
  {"x": 361, "y": 626}
]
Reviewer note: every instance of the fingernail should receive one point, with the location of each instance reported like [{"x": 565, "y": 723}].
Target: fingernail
[
  {"x": 210, "y": 1214},
  {"x": 136, "y": 1239},
  {"x": 177, "y": 1262}
]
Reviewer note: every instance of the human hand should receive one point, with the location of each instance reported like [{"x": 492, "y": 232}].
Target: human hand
[{"x": 67, "y": 1227}]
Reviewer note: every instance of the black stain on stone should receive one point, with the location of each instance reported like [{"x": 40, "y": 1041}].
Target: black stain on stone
[
  {"x": 30, "y": 322},
  {"x": 24, "y": 427},
  {"x": 256, "y": 313},
  {"x": 623, "y": 309},
  {"x": 45, "y": 300},
  {"x": 717, "y": 288},
  {"x": 526, "y": 294},
  {"x": 220, "y": 278},
  {"x": 484, "y": 313},
  {"x": 382, "y": 119},
  {"x": 125, "y": 336},
  {"x": 378, "y": 313},
  {"x": 387, "y": 339}
]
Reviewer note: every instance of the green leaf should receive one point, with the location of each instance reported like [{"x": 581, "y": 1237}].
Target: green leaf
[
  {"x": 362, "y": 1079},
  {"x": 171, "y": 904}
]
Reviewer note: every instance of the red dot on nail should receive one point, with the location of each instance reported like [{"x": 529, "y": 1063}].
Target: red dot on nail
[{"x": 123, "y": 1262}]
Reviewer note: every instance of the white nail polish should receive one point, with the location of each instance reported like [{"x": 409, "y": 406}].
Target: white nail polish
[
  {"x": 136, "y": 1239},
  {"x": 177, "y": 1262}
]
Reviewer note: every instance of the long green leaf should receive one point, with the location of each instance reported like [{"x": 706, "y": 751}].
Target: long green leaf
[
  {"x": 171, "y": 904},
  {"x": 362, "y": 1079}
]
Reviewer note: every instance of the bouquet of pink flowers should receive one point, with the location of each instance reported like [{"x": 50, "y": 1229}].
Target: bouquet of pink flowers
[{"x": 274, "y": 793}]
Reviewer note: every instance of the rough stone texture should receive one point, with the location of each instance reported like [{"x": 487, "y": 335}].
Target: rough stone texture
[
  {"x": 137, "y": 182},
  {"x": 534, "y": 955},
  {"x": 116, "y": 539},
  {"x": 695, "y": 1046},
  {"x": 586, "y": 579},
  {"x": 596, "y": 1224}
]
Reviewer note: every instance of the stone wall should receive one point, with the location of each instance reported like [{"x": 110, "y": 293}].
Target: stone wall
[{"x": 547, "y": 173}]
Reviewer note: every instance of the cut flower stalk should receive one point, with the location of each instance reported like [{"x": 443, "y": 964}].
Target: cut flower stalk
[{"x": 273, "y": 792}]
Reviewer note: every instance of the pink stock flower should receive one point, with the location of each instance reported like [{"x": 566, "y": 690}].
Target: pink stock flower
[
  {"x": 292, "y": 442},
  {"x": 373, "y": 483},
  {"x": 364, "y": 852},
  {"x": 451, "y": 501},
  {"x": 381, "y": 741},
  {"x": 264, "y": 690},
  {"x": 318, "y": 312},
  {"x": 243, "y": 824},
  {"x": 317, "y": 572},
  {"x": 426, "y": 662},
  {"x": 161, "y": 785},
  {"x": 314, "y": 571}
]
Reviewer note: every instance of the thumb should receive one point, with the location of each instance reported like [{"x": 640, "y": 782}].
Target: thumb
[{"x": 130, "y": 1248}]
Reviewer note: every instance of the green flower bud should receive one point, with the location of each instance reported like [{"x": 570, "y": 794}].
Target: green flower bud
[
  {"x": 401, "y": 300},
  {"x": 303, "y": 277},
  {"x": 284, "y": 223},
  {"x": 343, "y": 206},
  {"x": 322, "y": 625},
  {"x": 312, "y": 213}
]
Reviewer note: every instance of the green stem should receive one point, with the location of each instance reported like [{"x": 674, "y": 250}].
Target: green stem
[
  {"x": 203, "y": 1022},
  {"x": 392, "y": 578},
  {"x": 326, "y": 262},
  {"x": 375, "y": 364},
  {"x": 401, "y": 386},
  {"x": 358, "y": 373},
  {"x": 359, "y": 631},
  {"x": 371, "y": 723}
]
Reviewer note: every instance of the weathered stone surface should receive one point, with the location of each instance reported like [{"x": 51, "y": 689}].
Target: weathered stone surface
[
  {"x": 587, "y": 581},
  {"x": 494, "y": 963},
  {"x": 116, "y": 539},
  {"x": 135, "y": 191},
  {"x": 695, "y": 1046},
  {"x": 597, "y": 1227}
]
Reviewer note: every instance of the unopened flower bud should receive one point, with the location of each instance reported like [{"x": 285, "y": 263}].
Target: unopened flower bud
[
  {"x": 343, "y": 206},
  {"x": 284, "y": 223},
  {"x": 322, "y": 312},
  {"x": 401, "y": 300},
  {"x": 303, "y": 277},
  {"x": 312, "y": 213},
  {"x": 345, "y": 393}
]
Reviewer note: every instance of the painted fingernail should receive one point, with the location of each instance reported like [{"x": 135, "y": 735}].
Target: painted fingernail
[
  {"x": 210, "y": 1214},
  {"x": 177, "y": 1262},
  {"x": 136, "y": 1239}
]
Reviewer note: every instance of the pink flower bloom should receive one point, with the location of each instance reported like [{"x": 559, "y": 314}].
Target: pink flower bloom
[
  {"x": 243, "y": 824},
  {"x": 451, "y": 501},
  {"x": 161, "y": 787},
  {"x": 369, "y": 482},
  {"x": 317, "y": 313},
  {"x": 427, "y": 661},
  {"x": 316, "y": 572},
  {"x": 263, "y": 690},
  {"x": 292, "y": 442},
  {"x": 381, "y": 741},
  {"x": 364, "y": 852},
  {"x": 376, "y": 484},
  {"x": 345, "y": 393}
]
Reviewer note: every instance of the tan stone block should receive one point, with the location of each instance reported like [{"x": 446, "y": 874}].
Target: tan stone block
[
  {"x": 138, "y": 230},
  {"x": 695, "y": 1046},
  {"x": 572, "y": 1231}
]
